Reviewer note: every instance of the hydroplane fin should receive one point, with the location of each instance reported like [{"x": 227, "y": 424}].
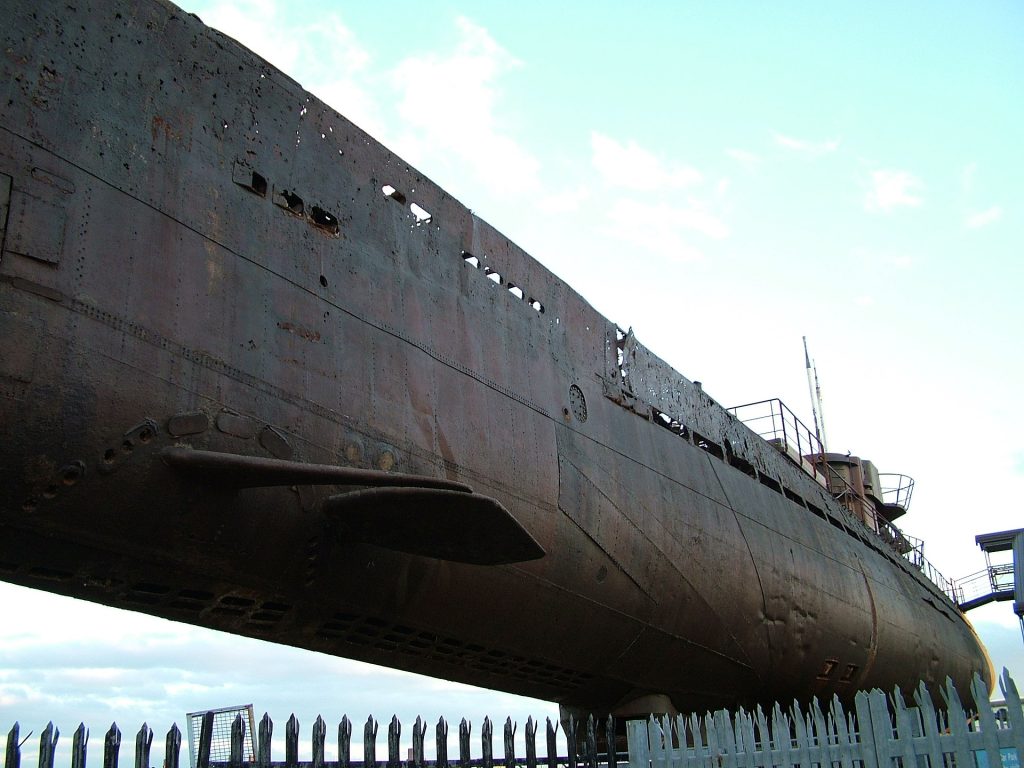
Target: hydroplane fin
[
  {"x": 257, "y": 472},
  {"x": 433, "y": 522}
]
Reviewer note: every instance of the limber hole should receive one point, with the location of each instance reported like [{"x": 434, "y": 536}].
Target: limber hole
[
  {"x": 290, "y": 202},
  {"x": 393, "y": 193}
]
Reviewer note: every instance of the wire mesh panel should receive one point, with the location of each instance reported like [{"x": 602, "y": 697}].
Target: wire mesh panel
[{"x": 220, "y": 743}]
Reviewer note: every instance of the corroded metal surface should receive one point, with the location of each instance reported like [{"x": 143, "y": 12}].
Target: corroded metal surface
[{"x": 198, "y": 254}]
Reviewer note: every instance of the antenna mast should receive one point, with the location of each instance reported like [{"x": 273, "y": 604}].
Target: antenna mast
[{"x": 814, "y": 391}]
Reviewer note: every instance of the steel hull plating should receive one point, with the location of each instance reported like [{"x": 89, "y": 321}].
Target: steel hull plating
[{"x": 197, "y": 253}]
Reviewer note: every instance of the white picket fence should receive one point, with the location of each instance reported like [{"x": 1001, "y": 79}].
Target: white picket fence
[{"x": 881, "y": 732}]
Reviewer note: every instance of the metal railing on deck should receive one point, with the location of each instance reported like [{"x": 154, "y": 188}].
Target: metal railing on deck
[{"x": 776, "y": 424}]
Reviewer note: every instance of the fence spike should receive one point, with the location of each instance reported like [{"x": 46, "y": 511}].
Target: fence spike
[
  {"x": 530, "y": 739},
  {"x": 509, "y": 743},
  {"x": 1014, "y": 711},
  {"x": 266, "y": 733},
  {"x": 552, "y": 755},
  {"x": 370, "y": 743},
  {"x": 590, "y": 743},
  {"x": 237, "y": 741},
  {"x": 172, "y": 747},
  {"x": 441, "y": 742},
  {"x": 609, "y": 735},
  {"x": 344, "y": 742},
  {"x": 487, "y": 743},
  {"x": 570, "y": 742},
  {"x": 79, "y": 742},
  {"x": 48, "y": 745},
  {"x": 319, "y": 738},
  {"x": 112, "y": 745},
  {"x": 291, "y": 742},
  {"x": 13, "y": 758},
  {"x": 205, "y": 741},
  {"x": 143, "y": 741},
  {"x": 419, "y": 736},
  {"x": 464, "y": 728},
  {"x": 394, "y": 735}
]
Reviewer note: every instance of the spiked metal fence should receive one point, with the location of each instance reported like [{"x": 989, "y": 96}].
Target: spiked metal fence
[{"x": 880, "y": 732}]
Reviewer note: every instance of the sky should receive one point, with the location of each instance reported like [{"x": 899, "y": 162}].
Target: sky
[{"x": 723, "y": 178}]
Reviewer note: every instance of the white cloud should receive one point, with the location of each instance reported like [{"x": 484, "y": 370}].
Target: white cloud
[
  {"x": 891, "y": 189},
  {"x": 810, "y": 148},
  {"x": 984, "y": 218},
  {"x": 630, "y": 166},
  {"x": 747, "y": 160},
  {"x": 447, "y": 103},
  {"x": 566, "y": 200},
  {"x": 661, "y": 227}
]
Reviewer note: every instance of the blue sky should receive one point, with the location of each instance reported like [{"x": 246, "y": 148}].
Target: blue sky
[{"x": 724, "y": 178}]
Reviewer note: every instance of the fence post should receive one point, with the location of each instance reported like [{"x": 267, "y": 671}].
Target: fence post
[
  {"x": 370, "y": 743},
  {"x": 487, "y": 743},
  {"x": 609, "y": 735},
  {"x": 47, "y": 745},
  {"x": 394, "y": 734},
  {"x": 509, "y": 743},
  {"x": 13, "y": 759},
  {"x": 344, "y": 742},
  {"x": 552, "y": 755},
  {"x": 172, "y": 747},
  {"x": 78, "y": 746},
  {"x": 570, "y": 742},
  {"x": 530, "y": 736},
  {"x": 441, "y": 742},
  {"x": 143, "y": 741},
  {"x": 419, "y": 736},
  {"x": 637, "y": 746},
  {"x": 266, "y": 732},
  {"x": 464, "y": 728},
  {"x": 291, "y": 742},
  {"x": 205, "y": 740},
  {"x": 319, "y": 738},
  {"x": 987, "y": 718},
  {"x": 237, "y": 740},
  {"x": 1014, "y": 712},
  {"x": 112, "y": 745}
]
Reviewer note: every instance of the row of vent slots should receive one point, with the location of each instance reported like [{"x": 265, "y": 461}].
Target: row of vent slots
[
  {"x": 496, "y": 278},
  {"x": 328, "y": 222},
  {"x": 293, "y": 203},
  {"x": 727, "y": 455},
  {"x": 424, "y": 217}
]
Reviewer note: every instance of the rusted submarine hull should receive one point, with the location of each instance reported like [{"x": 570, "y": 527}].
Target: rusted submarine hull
[{"x": 230, "y": 321}]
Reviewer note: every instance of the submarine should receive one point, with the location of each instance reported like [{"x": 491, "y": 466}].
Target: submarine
[{"x": 259, "y": 374}]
